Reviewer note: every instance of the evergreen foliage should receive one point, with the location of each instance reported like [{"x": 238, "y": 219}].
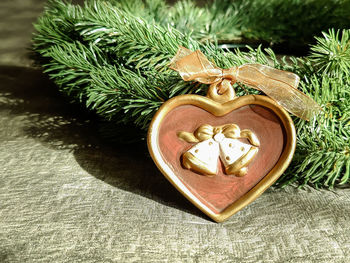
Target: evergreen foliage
[{"x": 113, "y": 57}]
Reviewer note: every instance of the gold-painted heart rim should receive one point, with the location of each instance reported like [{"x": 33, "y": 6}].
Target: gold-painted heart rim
[{"x": 218, "y": 109}]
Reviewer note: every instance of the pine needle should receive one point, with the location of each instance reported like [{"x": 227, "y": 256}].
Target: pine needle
[{"x": 113, "y": 58}]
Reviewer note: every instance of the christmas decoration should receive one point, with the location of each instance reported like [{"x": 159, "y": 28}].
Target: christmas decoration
[
  {"x": 246, "y": 169},
  {"x": 112, "y": 56},
  {"x": 220, "y": 142}
]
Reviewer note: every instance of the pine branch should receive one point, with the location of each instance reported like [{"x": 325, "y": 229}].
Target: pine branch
[
  {"x": 332, "y": 54},
  {"x": 116, "y": 63},
  {"x": 323, "y": 152}
]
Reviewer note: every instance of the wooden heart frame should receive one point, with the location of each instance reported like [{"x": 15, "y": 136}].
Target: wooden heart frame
[{"x": 221, "y": 109}]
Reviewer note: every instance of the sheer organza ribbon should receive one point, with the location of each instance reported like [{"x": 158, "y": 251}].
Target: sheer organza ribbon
[{"x": 279, "y": 85}]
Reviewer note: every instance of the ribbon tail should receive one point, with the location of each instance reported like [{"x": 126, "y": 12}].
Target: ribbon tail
[
  {"x": 293, "y": 101},
  {"x": 181, "y": 53},
  {"x": 281, "y": 86}
]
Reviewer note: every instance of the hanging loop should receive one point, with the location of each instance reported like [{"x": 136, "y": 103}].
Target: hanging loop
[{"x": 221, "y": 91}]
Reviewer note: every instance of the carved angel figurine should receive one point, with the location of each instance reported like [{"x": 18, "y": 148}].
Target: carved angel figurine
[{"x": 219, "y": 142}]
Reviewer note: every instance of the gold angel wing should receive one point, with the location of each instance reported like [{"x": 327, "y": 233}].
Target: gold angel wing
[{"x": 279, "y": 85}]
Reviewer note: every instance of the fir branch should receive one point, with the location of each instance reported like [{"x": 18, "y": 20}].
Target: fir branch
[
  {"x": 140, "y": 44},
  {"x": 115, "y": 62},
  {"x": 332, "y": 53}
]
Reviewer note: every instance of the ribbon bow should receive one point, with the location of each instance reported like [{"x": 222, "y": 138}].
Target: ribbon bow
[
  {"x": 279, "y": 85},
  {"x": 206, "y": 132},
  {"x": 222, "y": 142}
]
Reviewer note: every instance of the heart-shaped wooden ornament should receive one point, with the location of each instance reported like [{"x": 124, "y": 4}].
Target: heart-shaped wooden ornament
[{"x": 222, "y": 181}]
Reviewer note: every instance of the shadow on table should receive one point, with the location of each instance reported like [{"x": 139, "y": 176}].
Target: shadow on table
[{"x": 46, "y": 115}]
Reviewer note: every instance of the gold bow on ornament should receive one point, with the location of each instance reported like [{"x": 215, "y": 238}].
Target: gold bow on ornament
[
  {"x": 279, "y": 85},
  {"x": 219, "y": 142},
  {"x": 206, "y": 132}
]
